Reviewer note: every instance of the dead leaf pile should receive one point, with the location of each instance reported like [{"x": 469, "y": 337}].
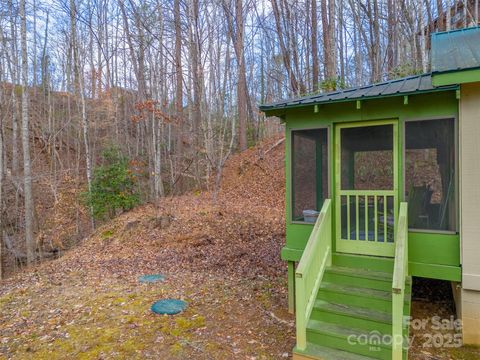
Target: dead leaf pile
[{"x": 222, "y": 256}]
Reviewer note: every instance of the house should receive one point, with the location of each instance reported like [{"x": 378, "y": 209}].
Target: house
[
  {"x": 459, "y": 17},
  {"x": 382, "y": 185}
]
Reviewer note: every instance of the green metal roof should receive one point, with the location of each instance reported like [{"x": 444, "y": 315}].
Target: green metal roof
[
  {"x": 399, "y": 87},
  {"x": 456, "y": 50}
]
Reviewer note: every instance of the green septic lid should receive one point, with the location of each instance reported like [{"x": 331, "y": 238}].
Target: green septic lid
[
  {"x": 169, "y": 306},
  {"x": 151, "y": 278}
]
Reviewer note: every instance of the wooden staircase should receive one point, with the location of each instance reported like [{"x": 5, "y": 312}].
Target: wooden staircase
[
  {"x": 352, "y": 307},
  {"x": 353, "y": 311}
]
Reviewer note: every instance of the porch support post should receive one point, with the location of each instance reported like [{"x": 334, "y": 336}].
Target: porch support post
[{"x": 291, "y": 287}]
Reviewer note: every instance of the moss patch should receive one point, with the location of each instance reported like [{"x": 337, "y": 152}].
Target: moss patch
[{"x": 105, "y": 324}]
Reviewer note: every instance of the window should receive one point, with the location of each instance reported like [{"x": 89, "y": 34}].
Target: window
[
  {"x": 430, "y": 180},
  {"x": 309, "y": 173}
]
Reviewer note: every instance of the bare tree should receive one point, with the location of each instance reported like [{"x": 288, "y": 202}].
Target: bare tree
[
  {"x": 179, "y": 87},
  {"x": 27, "y": 172},
  {"x": 2, "y": 157},
  {"x": 329, "y": 46},
  {"x": 236, "y": 30},
  {"x": 279, "y": 7},
  {"x": 391, "y": 28},
  {"x": 315, "y": 62},
  {"x": 81, "y": 94}
]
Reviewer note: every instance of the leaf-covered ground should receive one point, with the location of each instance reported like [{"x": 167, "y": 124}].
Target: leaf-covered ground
[
  {"x": 222, "y": 257},
  {"x": 89, "y": 318},
  {"x": 89, "y": 304}
]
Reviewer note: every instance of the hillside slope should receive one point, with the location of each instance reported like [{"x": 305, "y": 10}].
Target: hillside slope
[{"x": 222, "y": 257}]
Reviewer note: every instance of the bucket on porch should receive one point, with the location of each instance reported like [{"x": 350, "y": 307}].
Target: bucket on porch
[{"x": 310, "y": 216}]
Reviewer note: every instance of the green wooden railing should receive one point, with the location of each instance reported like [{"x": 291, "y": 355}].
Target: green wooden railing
[
  {"x": 358, "y": 201},
  {"x": 400, "y": 274},
  {"x": 316, "y": 257}
]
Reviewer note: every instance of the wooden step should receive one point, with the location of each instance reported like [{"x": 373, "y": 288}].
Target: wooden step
[
  {"x": 373, "y": 263},
  {"x": 356, "y": 296},
  {"x": 358, "y": 277},
  {"x": 355, "y": 317},
  {"x": 352, "y": 312},
  {"x": 320, "y": 352},
  {"x": 348, "y": 339}
]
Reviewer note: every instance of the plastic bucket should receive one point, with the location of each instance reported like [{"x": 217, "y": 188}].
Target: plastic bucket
[{"x": 310, "y": 216}]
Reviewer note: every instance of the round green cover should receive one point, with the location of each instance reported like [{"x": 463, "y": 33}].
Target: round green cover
[
  {"x": 169, "y": 306},
  {"x": 151, "y": 278}
]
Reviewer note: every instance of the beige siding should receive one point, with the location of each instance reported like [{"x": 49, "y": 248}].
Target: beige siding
[
  {"x": 471, "y": 317},
  {"x": 469, "y": 127}
]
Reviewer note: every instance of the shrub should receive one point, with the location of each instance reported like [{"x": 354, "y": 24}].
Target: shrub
[
  {"x": 332, "y": 84},
  {"x": 114, "y": 186},
  {"x": 403, "y": 70}
]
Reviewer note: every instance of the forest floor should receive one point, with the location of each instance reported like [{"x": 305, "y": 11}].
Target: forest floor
[{"x": 220, "y": 256}]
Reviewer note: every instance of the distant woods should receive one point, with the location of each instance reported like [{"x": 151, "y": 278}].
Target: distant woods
[{"x": 174, "y": 86}]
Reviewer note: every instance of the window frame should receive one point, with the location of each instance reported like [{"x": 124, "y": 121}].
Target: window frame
[
  {"x": 453, "y": 117},
  {"x": 290, "y": 177}
]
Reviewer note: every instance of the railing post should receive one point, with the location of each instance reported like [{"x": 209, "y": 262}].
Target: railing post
[
  {"x": 328, "y": 234},
  {"x": 400, "y": 274},
  {"x": 291, "y": 287},
  {"x": 397, "y": 330},
  {"x": 300, "y": 300}
]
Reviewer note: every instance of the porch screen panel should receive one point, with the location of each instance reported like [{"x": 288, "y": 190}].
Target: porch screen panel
[
  {"x": 309, "y": 171},
  {"x": 367, "y": 158},
  {"x": 430, "y": 180},
  {"x": 367, "y": 186}
]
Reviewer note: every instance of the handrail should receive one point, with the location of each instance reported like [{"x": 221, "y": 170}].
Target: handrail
[
  {"x": 400, "y": 274},
  {"x": 316, "y": 257}
]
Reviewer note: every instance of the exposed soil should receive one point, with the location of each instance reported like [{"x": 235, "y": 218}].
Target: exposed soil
[{"x": 434, "y": 332}]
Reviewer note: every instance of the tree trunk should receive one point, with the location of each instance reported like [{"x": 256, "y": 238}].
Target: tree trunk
[
  {"x": 391, "y": 35},
  {"x": 135, "y": 62},
  {"x": 15, "y": 106},
  {"x": 241, "y": 79},
  {"x": 1, "y": 187},
  {"x": 448, "y": 19},
  {"x": 376, "y": 46},
  {"x": 476, "y": 12},
  {"x": 27, "y": 173},
  {"x": 179, "y": 91},
  {"x": 287, "y": 61},
  {"x": 423, "y": 37},
  {"x": 329, "y": 53},
  {"x": 236, "y": 31},
  {"x": 197, "y": 85},
  {"x": 197, "y": 88},
  {"x": 441, "y": 15},
  {"x": 315, "y": 65},
  {"x": 81, "y": 94},
  {"x": 34, "y": 50},
  {"x": 341, "y": 43}
]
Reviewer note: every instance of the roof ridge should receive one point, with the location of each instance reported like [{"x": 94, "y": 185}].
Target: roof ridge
[{"x": 455, "y": 30}]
